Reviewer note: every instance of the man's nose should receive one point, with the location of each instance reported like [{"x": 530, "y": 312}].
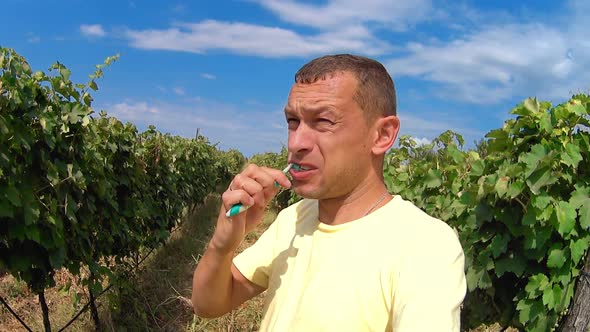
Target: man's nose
[{"x": 300, "y": 139}]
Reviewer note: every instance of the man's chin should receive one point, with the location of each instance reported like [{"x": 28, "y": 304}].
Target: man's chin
[{"x": 306, "y": 192}]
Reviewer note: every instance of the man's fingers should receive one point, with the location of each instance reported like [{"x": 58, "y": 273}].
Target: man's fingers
[
  {"x": 254, "y": 186},
  {"x": 233, "y": 197},
  {"x": 265, "y": 176},
  {"x": 249, "y": 185},
  {"x": 277, "y": 176}
]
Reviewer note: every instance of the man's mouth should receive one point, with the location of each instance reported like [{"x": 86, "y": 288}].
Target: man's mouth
[{"x": 300, "y": 168}]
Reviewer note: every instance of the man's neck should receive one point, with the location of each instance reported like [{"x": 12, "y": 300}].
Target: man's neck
[{"x": 366, "y": 198}]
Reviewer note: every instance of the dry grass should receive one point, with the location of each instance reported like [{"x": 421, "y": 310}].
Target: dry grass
[{"x": 60, "y": 300}]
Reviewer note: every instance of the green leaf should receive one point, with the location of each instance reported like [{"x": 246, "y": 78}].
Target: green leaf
[
  {"x": 31, "y": 214},
  {"x": 549, "y": 298},
  {"x": 540, "y": 178},
  {"x": 13, "y": 195},
  {"x": 6, "y": 209},
  {"x": 64, "y": 289},
  {"x": 580, "y": 196},
  {"x": 546, "y": 214},
  {"x": 530, "y": 217},
  {"x": 33, "y": 234},
  {"x": 92, "y": 85},
  {"x": 532, "y": 105},
  {"x": 433, "y": 179},
  {"x": 540, "y": 323},
  {"x": 57, "y": 257},
  {"x": 567, "y": 297},
  {"x": 558, "y": 294},
  {"x": 537, "y": 282},
  {"x": 513, "y": 263},
  {"x": 455, "y": 154},
  {"x": 65, "y": 73},
  {"x": 545, "y": 123},
  {"x": 499, "y": 140},
  {"x": 477, "y": 167},
  {"x": 499, "y": 244},
  {"x": 577, "y": 109},
  {"x": 501, "y": 186},
  {"x": 556, "y": 257},
  {"x": 541, "y": 201},
  {"x": 578, "y": 248},
  {"x": 515, "y": 188},
  {"x": 529, "y": 310},
  {"x": 566, "y": 217},
  {"x": 531, "y": 159},
  {"x": 571, "y": 156},
  {"x": 537, "y": 237},
  {"x": 473, "y": 276},
  {"x": 564, "y": 273}
]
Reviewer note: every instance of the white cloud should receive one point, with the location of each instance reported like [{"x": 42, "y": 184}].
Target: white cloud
[
  {"x": 500, "y": 61},
  {"x": 208, "y": 76},
  {"x": 333, "y": 14},
  {"x": 421, "y": 141},
  {"x": 133, "y": 111},
  {"x": 179, "y": 91},
  {"x": 33, "y": 39},
  {"x": 429, "y": 126},
  {"x": 92, "y": 30},
  {"x": 249, "y": 39},
  {"x": 248, "y": 130}
]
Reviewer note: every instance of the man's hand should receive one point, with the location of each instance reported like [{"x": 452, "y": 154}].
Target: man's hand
[{"x": 254, "y": 187}]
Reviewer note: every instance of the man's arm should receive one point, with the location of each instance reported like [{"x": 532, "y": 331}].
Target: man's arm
[{"x": 218, "y": 286}]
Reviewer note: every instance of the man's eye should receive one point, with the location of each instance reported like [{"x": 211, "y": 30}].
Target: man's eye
[
  {"x": 292, "y": 122},
  {"x": 325, "y": 121}
]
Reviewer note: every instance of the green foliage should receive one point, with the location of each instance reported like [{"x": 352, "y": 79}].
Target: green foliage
[
  {"x": 522, "y": 213},
  {"x": 230, "y": 163},
  {"x": 78, "y": 190}
]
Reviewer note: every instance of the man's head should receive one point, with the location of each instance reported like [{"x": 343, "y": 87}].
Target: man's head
[
  {"x": 341, "y": 119},
  {"x": 375, "y": 92}
]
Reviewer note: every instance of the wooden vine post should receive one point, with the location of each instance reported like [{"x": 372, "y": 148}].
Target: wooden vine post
[{"x": 578, "y": 318}]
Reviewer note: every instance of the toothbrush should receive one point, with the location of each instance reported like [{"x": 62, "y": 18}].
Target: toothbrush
[{"x": 239, "y": 208}]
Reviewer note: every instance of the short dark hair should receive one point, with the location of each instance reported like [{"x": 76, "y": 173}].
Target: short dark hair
[{"x": 375, "y": 92}]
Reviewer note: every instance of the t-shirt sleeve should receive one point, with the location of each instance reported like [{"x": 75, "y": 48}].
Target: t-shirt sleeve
[
  {"x": 432, "y": 286},
  {"x": 255, "y": 262}
]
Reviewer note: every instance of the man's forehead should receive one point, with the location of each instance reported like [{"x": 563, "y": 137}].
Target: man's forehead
[
  {"x": 321, "y": 94},
  {"x": 312, "y": 107}
]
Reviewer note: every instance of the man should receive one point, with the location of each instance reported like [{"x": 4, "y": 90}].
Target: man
[{"x": 349, "y": 256}]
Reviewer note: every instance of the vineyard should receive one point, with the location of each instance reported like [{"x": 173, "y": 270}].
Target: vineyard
[{"x": 85, "y": 192}]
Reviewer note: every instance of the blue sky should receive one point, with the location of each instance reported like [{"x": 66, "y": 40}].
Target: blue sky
[{"x": 226, "y": 67}]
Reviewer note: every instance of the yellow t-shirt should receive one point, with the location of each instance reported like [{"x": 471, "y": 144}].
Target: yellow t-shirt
[{"x": 396, "y": 269}]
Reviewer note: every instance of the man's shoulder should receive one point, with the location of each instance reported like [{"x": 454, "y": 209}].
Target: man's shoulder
[{"x": 420, "y": 228}]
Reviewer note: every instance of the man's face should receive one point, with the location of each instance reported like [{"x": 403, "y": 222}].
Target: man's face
[{"x": 328, "y": 137}]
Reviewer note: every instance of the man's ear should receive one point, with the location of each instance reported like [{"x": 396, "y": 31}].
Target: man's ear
[{"x": 387, "y": 129}]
